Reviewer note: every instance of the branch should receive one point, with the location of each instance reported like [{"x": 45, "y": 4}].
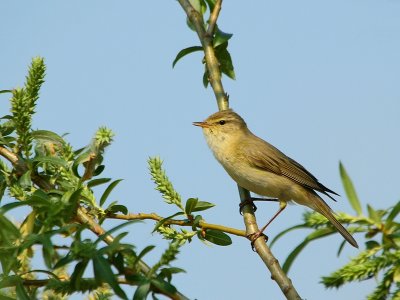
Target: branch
[
  {"x": 212, "y": 64},
  {"x": 201, "y": 225},
  {"x": 211, "y": 60},
  {"x": 213, "y": 18},
  {"x": 81, "y": 216}
]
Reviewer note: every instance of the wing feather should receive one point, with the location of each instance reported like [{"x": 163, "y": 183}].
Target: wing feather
[{"x": 265, "y": 156}]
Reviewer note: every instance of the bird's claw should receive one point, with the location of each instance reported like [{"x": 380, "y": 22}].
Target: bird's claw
[
  {"x": 254, "y": 236},
  {"x": 247, "y": 202}
]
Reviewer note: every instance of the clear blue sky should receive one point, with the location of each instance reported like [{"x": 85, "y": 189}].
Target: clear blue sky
[{"x": 318, "y": 79}]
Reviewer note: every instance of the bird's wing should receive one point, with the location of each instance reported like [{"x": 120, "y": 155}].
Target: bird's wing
[{"x": 265, "y": 156}]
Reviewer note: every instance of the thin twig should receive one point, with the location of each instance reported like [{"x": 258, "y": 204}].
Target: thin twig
[
  {"x": 202, "y": 224},
  {"x": 248, "y": 213},
  {"x": 213, "y": 18}
]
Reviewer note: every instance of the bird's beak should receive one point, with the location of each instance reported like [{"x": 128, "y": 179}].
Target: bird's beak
[{"x": 201, "y": 124}]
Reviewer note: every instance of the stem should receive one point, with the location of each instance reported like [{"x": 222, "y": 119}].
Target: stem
[
  {"x": 206, "y": 39},
  {"x": 202, "y": 224},
  {"x": 213, "y": 18},
  {"x": 211, "y": 60}
]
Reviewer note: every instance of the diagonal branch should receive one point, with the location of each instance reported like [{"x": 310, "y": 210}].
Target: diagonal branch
[
  {"x": 212, "y": 64},
  {"x": 213, "y": 17},
  {"x": 211, "y": 60}
]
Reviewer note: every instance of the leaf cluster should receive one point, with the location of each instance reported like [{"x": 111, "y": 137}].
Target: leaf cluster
[
  {"x": 381, "y": 256},
  {"x": 59, "y": 185},
  {"x": 192, "y": 205},
  {"x": 219, "y": 41}
]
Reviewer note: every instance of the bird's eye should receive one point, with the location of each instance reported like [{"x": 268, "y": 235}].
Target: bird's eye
[{"x": 222, "y": 122}]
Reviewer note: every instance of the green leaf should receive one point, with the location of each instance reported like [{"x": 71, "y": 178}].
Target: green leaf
[
  {"x": 48, "y": 251},
  {"x": 48, "y": 136},
  {"x": 393, "y": 214},
  {"x": 6, "y": 91},
  {"x": 160, "y": 223},
  {"x": 108, "y": 191},
  {"x": 341, "y": 247},
  {"x": 196, "y": 222},
  {"x": 8, "y": 231},
  {"x": 163, "y": 286},
  {"x": 350, "y": 190},
  {"x": 211, "y": 4},
  {"x": 142, "y": 291},
  {"x": 190, "y": 205},
  {"x": 98, "y": 181},
  {"x": 185, "y": 52},
  {"x": 199, "y": 5},
  {"x": 143, "y": 253},
  {"x": 221, "y": 37},
  {"x": 51, "y": 160},
  {"x": 78, "y": 273},
  {"x": 225, "y": 60},
  {"x": 205, "y": 78},
  {"x": 25, "y": 180},
  {"x": 103, "y": 273},
  {"x": 373, "y": 214},
  {"x": 371, "y": 244},
  {"x": 217, "y": 237},
  {"x": 118, "y": 208},
  {"x": 317, "y": 234},
  {"x": 21, "y": 292},
  {"x": 278, "y": 236},
  {"x": 167, "y": 272},
  {"x": 202, "y": 205}
]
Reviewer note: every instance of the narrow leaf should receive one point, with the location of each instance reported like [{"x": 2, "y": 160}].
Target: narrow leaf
[
  {"x": 279, "y": 235},
  {"x": 21, "y": 292},
  {"x": 5, "y": 91},
  {"x": 142, "y": 291},
  {"x": 48, "y": 136},
  {"x": 374, "y": 215},
  {"x": 218, "y": 237},
  {"x": 160, "y": 223},
  {"x": 393, "y": 213},
  {"x": 164, "y": 286},
  {"x": 350, "y": 190},
  {"x": 103, "y": 273},
  {"x": 317, "y": 234},
  {"x": 98, "y": 181},
  {"x": 205, "y": 79},
  {"x": 108, "y": 191},
  {"x": 143, "y": 253},
  {"x": 185, "y": 52}
]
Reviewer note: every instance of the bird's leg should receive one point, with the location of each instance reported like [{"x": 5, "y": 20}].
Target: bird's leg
[
  {"x": 251, "y": 200},
  {"x": 254, "y": 236}
]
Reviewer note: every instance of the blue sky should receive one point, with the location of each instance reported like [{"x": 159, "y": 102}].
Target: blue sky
[{"x": 317, "y": 79}]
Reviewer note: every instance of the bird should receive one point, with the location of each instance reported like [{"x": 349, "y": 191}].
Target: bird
[{"x": 259, "y": 167}]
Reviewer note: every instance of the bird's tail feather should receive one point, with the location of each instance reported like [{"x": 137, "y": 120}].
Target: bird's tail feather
[{"x": 323, "y": 208}]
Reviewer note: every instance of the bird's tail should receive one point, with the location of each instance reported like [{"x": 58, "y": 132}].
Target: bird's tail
[{"x": 320, "y": 206}]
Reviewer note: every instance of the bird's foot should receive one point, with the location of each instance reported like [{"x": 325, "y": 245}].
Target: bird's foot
[
  {"x": 254, "y": 236},
  {"x": 247, "y": 201}
]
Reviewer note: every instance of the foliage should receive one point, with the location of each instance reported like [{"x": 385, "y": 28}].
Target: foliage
[
  {"x": 58, "y": 184},
  {"x": 219, "y": 38},
  {"x": 381, "y": 256}
]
